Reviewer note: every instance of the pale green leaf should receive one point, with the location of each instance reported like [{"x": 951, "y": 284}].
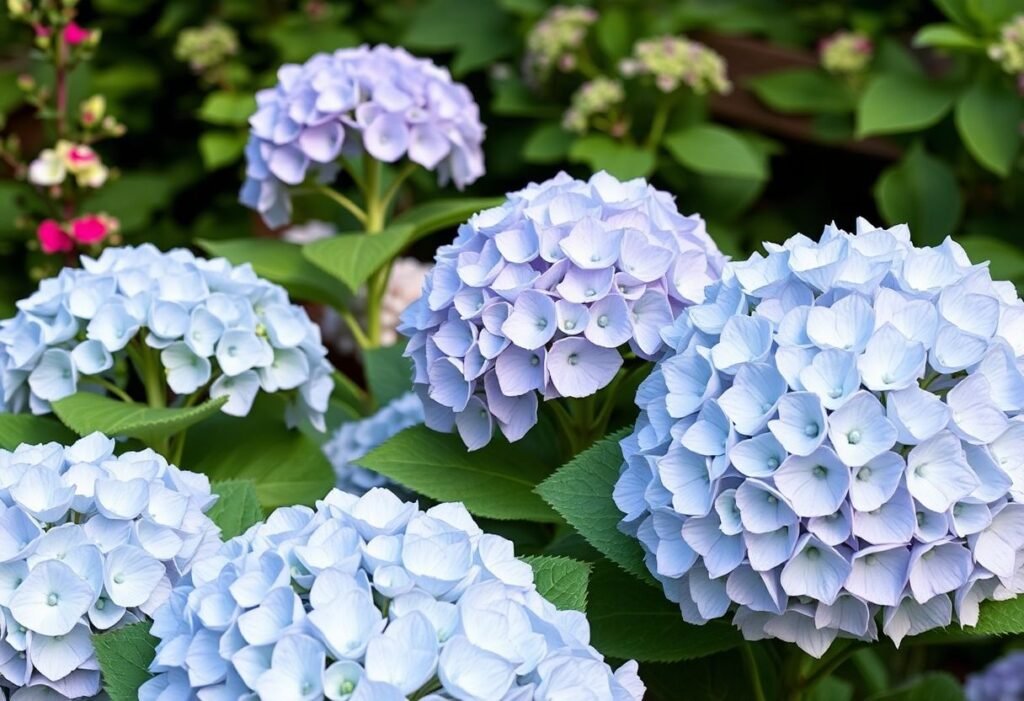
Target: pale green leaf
[
  {"x": 219, "y": 149},
  {"x": 561, "y": 580},
  {"x": 436, "y": 215},
  {"x": 947, "y": 36},
  {"x": 124, "y": 656},
  {"x": 85, "y": 413},
  {"x": 988, "y": 117},
  {"x": 710, "y": 149},
  {"x": 894, "y": 103},
  {"x": 931, "y": 686},
  {"x": 237, "y": 507},
  {"x": 388, "y": 374},
  {"x": 227, "y": 108},
  {"x": 353, "y": 258},
  {"x": 548, "y": 143},
  {"x": 802, "y": 91},
  {"x": 604, "y": 153},
  {"x": 16, "y": 429},
  {"x": 921, "y": 191}
]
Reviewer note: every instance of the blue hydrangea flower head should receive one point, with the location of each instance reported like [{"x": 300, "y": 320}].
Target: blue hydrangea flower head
[
  {"x": 210, "y": 324},
  {"x": 88, "y": 541},
  {"x": 1002, "y": 680},
  {"x": 835, "y": 444},
  {"x": 539, "y": 296},
  {"x": 371, "y": 598},
  {"x": 354, "y": 439},
  {"x": 381, "y": 101}
]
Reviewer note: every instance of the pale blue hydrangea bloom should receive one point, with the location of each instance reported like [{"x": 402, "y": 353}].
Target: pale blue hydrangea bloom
[
  {"x": 538, "y": 296},
  {"x": 836, "y": 444},
  {"x": 370, "y": 598},
  {"x": 381, "y": 101},
  {"x": 354, "y": 439},
  {"x": 1003, "y": 680},
  {"x": 210, "y": 323},
  {"x": 89, "y": 541}
]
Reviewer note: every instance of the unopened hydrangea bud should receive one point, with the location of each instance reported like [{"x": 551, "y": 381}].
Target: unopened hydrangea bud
[
  {"x": 93, "y": 110},
  {"x": 555, "y": 40},
  {"x": 845, "y": 53},
  {"x": 206, "y": 47},
  {"x": 26, "y": 83},
  {"x": 595, "y": 98},
  {"x": 674, "y": 61},
  {"x": 1008, "y": 52}
]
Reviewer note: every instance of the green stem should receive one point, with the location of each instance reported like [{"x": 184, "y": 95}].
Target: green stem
[
  {"x": 353, "y": 325},
  {"x": 374, "y": 221},
  {"x": 389, "y": 194},
  {"x": 354, "y": 209},
  {"x": 111, "y": 387},
  {"x": 376, "y": 209},
  {"x": 566, "y": 426},
  {"x": 753, "y": 673},
  {"x": 840, "y": 653},
  {"x": 177, "y": 448},
  {"x": 658, "y": 123}
]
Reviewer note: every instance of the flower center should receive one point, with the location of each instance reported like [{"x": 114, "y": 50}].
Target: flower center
[
  {"x": 819, "y": 471},
  {"x": 118, "y": 579},
  {"x": 52, "y": 599},
  {"x": 812, "y": 553},
  {"x": 602, "y": 320},
  {"x": 836, "y": 392},
  {"x": 590, "y": 292},
  {"x": 864, "y": 474},
  {"x": 573, "y": 358},
  {"x": 812, "y": 429},
  {"x": 534, "y": 360},
  {"x": 773, "y": 462},
  {"x": 853, "y": 437},
  {"x": 570, "y": 325}
]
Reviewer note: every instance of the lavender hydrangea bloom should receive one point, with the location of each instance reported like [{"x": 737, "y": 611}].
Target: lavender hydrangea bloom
[
  {"x": 1002, "y": 680},
  {"x": 836, "y": 443},
  {"x": 537, "y": 296},
  {"x": 210, "y": 323},
  {"x": 89, "y": 541},
  {"x": 354, "y": 439},
  {"x": 371, "y": 598},
  {"x": 382, "y": 101}
]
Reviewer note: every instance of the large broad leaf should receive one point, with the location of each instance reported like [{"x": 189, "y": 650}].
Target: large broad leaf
[
  {"x": 581, "y": 492},
  {"x": 1006, "y": 260},
  {"x": 710, "y": 149},
  {"x": 442, "y": 214},
  {"x": 283, "y": 263},
  {"x": 894, "y": 103},
  {"x": 388, "y": 374},
  {"x": 997, "y": 618},
  {"x": 85, "y": 413},
  {"x": 227, "y": 108},
  {"x": 604, "y": 153},
  {"x": 220, "y": 148},
  {"x": 16, "y": 429},
  {"x": 494, "y": 482},
  {"x": 988, "y": 117},
  {"x": 237, "y": 507},
  {"x": 477, "y": 32},
  {"x": 947, "y": 36},
  {"x": 561, "y": 580},
  {"x": 802, "y": 91},
  {"x": 629, "y": 620},
  {"x": 921, "y": 191},
  {"x": 286, "y": 465},
  {"x": 124, "y": 656},
  {"x": 548, "y": 143},
  {"x": 931, "y": 686},
  {"x": 353, "y": 258}
]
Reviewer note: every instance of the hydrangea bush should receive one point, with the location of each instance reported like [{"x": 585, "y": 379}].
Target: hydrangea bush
[
  {"x": 371, "y": 598},
  {"x": 541, "y": 296},
  {"x": 354, "y": 439},
  {"x": 835, "y": 443},
  {"x": 89, "y": 541},
  {"x": 187, "y": 325}
]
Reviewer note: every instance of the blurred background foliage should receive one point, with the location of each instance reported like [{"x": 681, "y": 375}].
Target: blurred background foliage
[{"x": 923, "y": 127}]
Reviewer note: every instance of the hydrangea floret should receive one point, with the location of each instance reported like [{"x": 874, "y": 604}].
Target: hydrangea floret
[
  {"x": 354, "y": 439},
  {"x": 207, "y": 49},
  {"x": 370, "y": 598},
  {"x": 541, "y": 295},
  {"x": 674, "y": 62},
  {"x": 89, "y": 541},
  {"x": 381, "y": 101},
  {"x": 595, "y": 100},
  {"x": 1002, "y": 680},
  {"x": 836, "y": 443},
  {"x": 846, "y": 52},
  {"x": 188, "y": 324},
  {"x": 555, "y": 41}
]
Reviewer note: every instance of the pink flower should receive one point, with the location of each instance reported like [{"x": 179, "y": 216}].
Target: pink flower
[
  {"x": 89, "y": 229},
  {"x": 52, "y": 238},
  {"x": 75, "y": 35},
  {"x": 81, "y": 156}
]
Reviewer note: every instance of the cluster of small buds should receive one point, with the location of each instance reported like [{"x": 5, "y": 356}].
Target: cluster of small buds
[
  {"x": 89, "y": 541},
  {"x": 53, "y": 165},
  {"x": 674, "y": 61},
  {"x": 211, "y": 326},
  {"x": 596, "y": 98},
  {"x": 381, "y": 101},
  {"x": 555, "y": 41},
  {"x": 1008, "y": 52},
  {"x": 87, "y": 230},
  {"x": 354, "y": 439},
  {"x": 1003, "y": 680},
  {"x": 538, "y": 295},
  {"x": 371, "y": 599},
  {"x": 838, "y": 437},
  {"x": 206, "y": 49},
  {"x": 845, "y": 53}
]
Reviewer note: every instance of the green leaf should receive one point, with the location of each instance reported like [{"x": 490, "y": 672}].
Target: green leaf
[
  {"x": 237, "y": 507},
  {"x": 133, "y": 198},
  {"x": 16, "y": 429},
  {"x": 921, "y": 191},
  {"x": 581, "y": 492},
  {"x": 947, "y": 36},
  {"x": 614, "y": 32},
  {"x": 388, "y": 374},
  {"x": 496, "y": 481},
  {"x": 283, "y": 263},
  {"x": 931, "y": 686},
  {"x": 561, "y": 580},
  {"x": 955, "y": 10},
  {"x": 286, "y": 465},
  {"x": 802, "y": 91},
  {"x": 353, "y": 258},
  {"x": 219, "y": 149},
  {"x": 513, "y": 99},
  {"x": 478, "y": 32},
  {"x": 831, "y": 689},
  {"x": 998, "y": 618},
  {"x": 548, "y": 143},
  {"x": 227, "y": 108},
  {"x": 297, "y": 36},
  {"x": 988, "y": 118},
  {"x": 604, "y": 153},
  {"x": 894, "y": 103},
  {"x": 124, "y": 655},
  {"x": 427, "y": 218},
  {"x": 630, "y": 621},
  {"x": 1006, "y": 260},
  {"x": 710, "y": 149},
  {"x": 85, "y": 413}
]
